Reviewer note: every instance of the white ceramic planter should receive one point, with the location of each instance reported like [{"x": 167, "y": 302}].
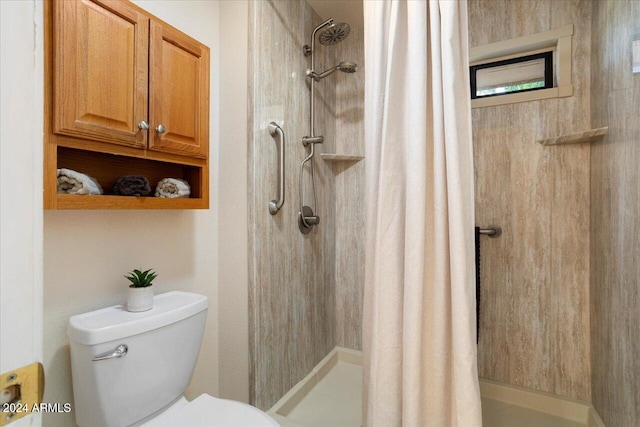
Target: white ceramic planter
[{"x": 140, "y": 299}]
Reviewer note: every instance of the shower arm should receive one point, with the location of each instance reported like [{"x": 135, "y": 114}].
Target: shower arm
[{"x": 313, "y": 39}]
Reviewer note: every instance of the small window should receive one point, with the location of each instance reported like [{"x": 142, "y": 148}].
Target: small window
[{"x": 523, "y": 74}]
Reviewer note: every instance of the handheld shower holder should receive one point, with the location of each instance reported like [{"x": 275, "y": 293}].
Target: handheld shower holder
[{"x": 308, "y": 140}]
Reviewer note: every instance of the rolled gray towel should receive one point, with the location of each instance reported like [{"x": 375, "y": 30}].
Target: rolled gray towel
[
  {"x": 72, "y": 182},
  {"x": 132, "y": 185}
]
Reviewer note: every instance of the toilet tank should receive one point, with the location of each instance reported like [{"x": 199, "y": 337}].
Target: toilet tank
[{"x": 162, "y": 348}]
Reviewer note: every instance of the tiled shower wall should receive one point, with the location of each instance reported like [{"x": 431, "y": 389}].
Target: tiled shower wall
[
  {"x": 292, "y": 276},
  {"x": 349, "y": 194},
  {"x": 615, "y": 215},
  {"x": 535, "y": 278},
  {"x": 305, "y": 291}
]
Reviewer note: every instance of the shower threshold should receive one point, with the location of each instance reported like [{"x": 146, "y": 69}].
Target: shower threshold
[{"x": 331, "y": 395}]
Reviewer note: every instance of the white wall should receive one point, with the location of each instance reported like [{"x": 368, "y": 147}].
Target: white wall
[
  {"x": 21, "y": 127},
  {"x": 233, "y": 316},
  {"x": 86, "y": 253}
]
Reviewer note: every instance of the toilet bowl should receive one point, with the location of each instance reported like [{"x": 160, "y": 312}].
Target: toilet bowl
[
  {"x": 208, "y": 411},
  {"x": 131, "y": 369}
]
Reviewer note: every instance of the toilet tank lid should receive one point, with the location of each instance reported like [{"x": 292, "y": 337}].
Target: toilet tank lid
[{"x": 113, "y": 323}]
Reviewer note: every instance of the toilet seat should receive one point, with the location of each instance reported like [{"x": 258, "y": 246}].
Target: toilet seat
[{"x": 208, "y": 411}]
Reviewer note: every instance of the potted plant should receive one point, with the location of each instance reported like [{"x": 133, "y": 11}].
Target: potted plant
[{"x": 140, "y": 296}]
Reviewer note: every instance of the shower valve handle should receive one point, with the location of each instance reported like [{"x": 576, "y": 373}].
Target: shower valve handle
[{"x": 312, "y": 220}]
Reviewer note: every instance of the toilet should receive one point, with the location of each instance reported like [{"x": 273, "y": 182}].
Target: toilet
[{"x": 131, "y": 369}]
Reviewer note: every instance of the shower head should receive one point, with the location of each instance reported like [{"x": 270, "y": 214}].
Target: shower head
[
  {"x": 334, "y": 33},
  {"x": 345, "y": 67}
]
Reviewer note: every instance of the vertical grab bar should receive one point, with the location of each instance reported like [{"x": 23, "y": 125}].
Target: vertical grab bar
[{"x": 275, "y": 205}]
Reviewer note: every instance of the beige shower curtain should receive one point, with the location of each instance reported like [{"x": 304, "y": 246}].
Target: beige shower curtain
[{"x": 419, "y": 315}]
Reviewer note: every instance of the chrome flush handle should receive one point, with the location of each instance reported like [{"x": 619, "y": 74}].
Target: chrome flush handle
[{"x": 118, "y": 352}]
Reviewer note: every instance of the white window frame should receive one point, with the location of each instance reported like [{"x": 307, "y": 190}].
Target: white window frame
[{"x": 558, "y": 40}]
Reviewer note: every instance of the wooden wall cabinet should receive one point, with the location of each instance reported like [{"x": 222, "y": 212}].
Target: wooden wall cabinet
[{"x": 125, "y": 94}]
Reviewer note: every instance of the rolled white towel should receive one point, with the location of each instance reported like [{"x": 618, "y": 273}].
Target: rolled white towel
[
  {"x": 172, "y": 188},
  {"x": 72, "y": 182}
]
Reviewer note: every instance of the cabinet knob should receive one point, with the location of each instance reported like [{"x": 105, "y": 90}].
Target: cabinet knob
[
  {"x": 160, "y": 129},
  {"x": 143, "y": 125}
]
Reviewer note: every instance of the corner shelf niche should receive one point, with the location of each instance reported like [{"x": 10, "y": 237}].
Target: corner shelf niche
[
  {"x": 576, "y": 138},
  {"x": 333, "y": 157}
]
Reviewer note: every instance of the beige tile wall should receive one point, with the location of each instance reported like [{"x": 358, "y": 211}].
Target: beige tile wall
[
  {"x": 349, "y": 194},
  {"x": 291, "y": 275},
  {"x": 535, "y": 278},
  {"x": 305, "y": 291},
  {"x": 615, "y": 215}
]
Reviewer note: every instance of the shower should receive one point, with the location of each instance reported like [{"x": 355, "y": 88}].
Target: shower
[{"x": 331, "y": 34}]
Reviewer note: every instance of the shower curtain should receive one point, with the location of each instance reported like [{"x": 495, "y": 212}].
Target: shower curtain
[{"x": 419, "y": 310}]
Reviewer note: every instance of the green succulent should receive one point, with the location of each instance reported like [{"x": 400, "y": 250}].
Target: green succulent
[{"x": 141, "y": 279}]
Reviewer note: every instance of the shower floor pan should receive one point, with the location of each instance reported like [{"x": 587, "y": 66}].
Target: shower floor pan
[{"x": 331, "y": 396}]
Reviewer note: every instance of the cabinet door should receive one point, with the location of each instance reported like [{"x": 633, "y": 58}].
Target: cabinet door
[
  {"x": 178, "y": 93},
  {"x": 100, "y": 71}
]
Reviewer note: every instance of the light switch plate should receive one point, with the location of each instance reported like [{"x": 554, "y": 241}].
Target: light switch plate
[{"x": 30, "y": 380}]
